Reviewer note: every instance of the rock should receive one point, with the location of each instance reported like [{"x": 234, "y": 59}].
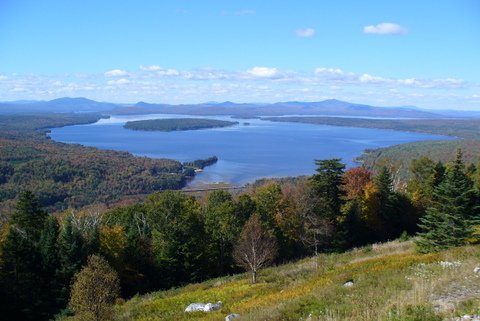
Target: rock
[
  {"x": 476, "y": 270},
  {"x": 232, "y": 316},
  {"x": 193, "y": 307},
  {"x": 450, "y": 265},
  {"x": 348, "y": 284},
  {"x": 212, "y": 306}
]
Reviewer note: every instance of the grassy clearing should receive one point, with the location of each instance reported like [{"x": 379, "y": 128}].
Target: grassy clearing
[{"x": 391, "y": 282}]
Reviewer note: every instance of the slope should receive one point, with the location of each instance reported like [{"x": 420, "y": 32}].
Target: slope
[{"x": 390, "y": 282}]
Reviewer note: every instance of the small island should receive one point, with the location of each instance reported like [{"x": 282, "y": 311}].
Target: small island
[{"x": 177, "y": 124}]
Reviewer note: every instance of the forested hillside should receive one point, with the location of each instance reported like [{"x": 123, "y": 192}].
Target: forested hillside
[{"x": 64, "y": 175}]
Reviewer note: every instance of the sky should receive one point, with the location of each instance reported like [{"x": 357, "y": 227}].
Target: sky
[{"x": 384, "y": 53}]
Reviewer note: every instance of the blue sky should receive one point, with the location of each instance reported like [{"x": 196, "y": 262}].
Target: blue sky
[{"x": 385, "y": 53}]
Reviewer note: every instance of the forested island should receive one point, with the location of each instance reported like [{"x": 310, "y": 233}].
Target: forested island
[{"x": 177, "y": 124}]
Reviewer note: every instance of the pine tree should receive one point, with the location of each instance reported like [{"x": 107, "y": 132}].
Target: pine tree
[
  {"x": 450, "y": 221},
  {"x": 328, "y": 185},
  {"x": 29, "y": 215},
  {"x": 21, "y": 264},
  {"x": 71, "y": 255}
]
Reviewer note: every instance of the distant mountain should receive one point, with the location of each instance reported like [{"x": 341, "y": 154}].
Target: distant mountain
[
  {"x": 60, "y": 105},
  {"x": 330, "y": 107}
]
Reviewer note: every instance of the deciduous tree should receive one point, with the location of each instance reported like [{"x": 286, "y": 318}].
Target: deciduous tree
[
  {"x": 94, "y": 291},
  {"x": 256, "y": 248}
]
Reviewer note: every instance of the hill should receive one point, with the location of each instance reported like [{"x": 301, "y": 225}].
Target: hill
[
  {"x": 60, "y": 105},
  {"x": 329, "y": 107},
  {"x": 390, "y": 282},
  {"x": 326, "y": 107}
]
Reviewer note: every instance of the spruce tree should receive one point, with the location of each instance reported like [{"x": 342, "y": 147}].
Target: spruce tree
[
  {"x": 450, "y": 221},
  {"x": 328, "y": 185},
  {"x": 29, "y": 215}
]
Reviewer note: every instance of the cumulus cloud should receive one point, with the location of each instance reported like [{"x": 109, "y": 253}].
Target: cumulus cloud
[
  {"x": 121, "y": 81},
  {"x": 366, "y": 78},
  {"x": 385, "y": 28},
  {"x": 151, "y": 68},
  {"x": 161, "y": 71},
  {"x": 305, "y": 32},
  {"x": 158, "y": 84},
  {"x": 331, "y": 73},
  {"x": 115, "y": 73},
  {"x": 263, "y": 72}
]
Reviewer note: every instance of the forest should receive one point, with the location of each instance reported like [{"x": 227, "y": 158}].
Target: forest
[
  {"x": 71, "y": 176},
  {"x": 177, "y": 124},
  {"x": 171, "y": 238}
]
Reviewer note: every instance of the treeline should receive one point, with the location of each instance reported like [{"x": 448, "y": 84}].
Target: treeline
[
  {"x": 176, "y": 124},
  {"x": 201, "y": 163},
  {"x": 64, "y": 176},
  {"x": 172, "y": 239}
]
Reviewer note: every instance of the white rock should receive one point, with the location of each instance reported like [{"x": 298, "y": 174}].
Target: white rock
[
  {"x": 476, "y": 269},
  {"x": 212, "y": 306},
  {"x": 193, "y": 307},
  {"x": 348, "y": 284},
  {"x": 232, "y": 316}
]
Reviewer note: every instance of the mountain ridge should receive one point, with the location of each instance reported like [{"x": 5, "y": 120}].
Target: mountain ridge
[{"x": 328, "y": 107}]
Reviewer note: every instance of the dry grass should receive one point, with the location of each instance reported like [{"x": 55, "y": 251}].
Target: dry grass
[{"x": 391, "y": 282}]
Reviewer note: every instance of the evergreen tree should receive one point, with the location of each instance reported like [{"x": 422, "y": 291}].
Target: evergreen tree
[
  {"x": 328, "y": 186},
  {"x": 178, "y": 238},
  {"x": 29, "y": 215},
  {"x": 19, "y": 277},
  {"x": 71, "y": 254},
  {"x": 48, "y": 245},
  {"x": 48, "y": 249},
  {"x": 450, "y": 221},
  {"x": 21, "y": 263}
]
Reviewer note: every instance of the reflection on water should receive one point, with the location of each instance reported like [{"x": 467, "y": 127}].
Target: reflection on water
[{"x": 245, "y": 152}]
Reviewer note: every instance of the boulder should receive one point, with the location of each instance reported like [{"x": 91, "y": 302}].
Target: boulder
[
  {"x": 193, "y": 307},
  {"x": 212, "y": 306},
  {"x": 476, "y": 270},
  {"x": 348, "y": 284},
  {"x": 232, "y": 316}
]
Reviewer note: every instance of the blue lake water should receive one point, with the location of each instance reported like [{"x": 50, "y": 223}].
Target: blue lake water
[{"x": 245, "y": 152}]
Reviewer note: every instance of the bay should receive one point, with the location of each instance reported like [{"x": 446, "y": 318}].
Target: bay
[{"x": 251, "y": 150}]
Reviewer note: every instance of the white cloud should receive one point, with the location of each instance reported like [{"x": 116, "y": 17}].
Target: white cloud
[
  {"x": 115, "y": 73},
  {"x": 263, "y": 72},
  {"x": 366, "y": 78},
  {"x": 151, "y": 68},
  {"x": 305, "y": 32},
  {"x": 121, "y": 81},
  {"x": 160, "y": 71},
  {"x": 385, "y": 28},
  {"x": 329, "y": 72}
]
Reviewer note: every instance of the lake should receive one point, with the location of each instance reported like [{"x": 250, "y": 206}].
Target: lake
[{"x": 261, "y": 149}]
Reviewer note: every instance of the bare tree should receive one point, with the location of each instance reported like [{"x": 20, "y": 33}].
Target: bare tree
[
  {"x": 317, "y": 230},
  {"x": 256, "y": 248}
]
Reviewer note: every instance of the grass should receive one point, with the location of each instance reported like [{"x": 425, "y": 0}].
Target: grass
[{"x": 391, "y": 282}]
